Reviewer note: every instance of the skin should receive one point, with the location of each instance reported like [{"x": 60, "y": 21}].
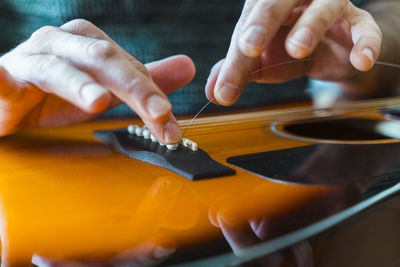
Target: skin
[
  {"x": 380, "y": 80},
  {"x": 338, "y": 39},
  {"x": 346, "y": 41},
  {"x": 97, "y": 74},
  {"x": 44, "y": 82},
  {"x": 149, "y": 253}
]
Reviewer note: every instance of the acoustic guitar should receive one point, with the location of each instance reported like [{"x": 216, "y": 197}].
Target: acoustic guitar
[{"x": 276, "y": 187}]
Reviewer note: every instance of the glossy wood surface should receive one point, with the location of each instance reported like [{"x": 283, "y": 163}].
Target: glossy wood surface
[{"x": 65, "y": 195}]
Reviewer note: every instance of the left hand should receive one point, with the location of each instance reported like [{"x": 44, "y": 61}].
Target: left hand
[
  {"x": 75, "y": 72},
  {"x": 339, "y": 39},
  {"x": 150, "y": 253}
]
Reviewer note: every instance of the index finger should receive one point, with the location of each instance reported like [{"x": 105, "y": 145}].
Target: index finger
[
  {"x": 104, "y": 61},
  {"x": 257, "y": 26}
]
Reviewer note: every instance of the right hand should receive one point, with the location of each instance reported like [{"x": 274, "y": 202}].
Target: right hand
[
  {"x": 76, "y": 72},
  {"x": 330, "y": 40}
]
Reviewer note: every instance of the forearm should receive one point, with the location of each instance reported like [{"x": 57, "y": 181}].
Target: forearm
[{"x": 381, "y": 80}]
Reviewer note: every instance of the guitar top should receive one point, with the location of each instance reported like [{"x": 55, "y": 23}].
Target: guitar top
[{"x": 66, "y": 195}]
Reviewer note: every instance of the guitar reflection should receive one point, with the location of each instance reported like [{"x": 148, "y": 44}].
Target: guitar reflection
[
  {"x": 149, "y": 253},
  {"x": 334, "y": 177},
  {"x": 136, "y": 233},
  {"x": 79, "y": 224}
]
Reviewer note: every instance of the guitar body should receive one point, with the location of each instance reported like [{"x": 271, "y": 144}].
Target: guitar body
[{"x": 66, "y": 195}]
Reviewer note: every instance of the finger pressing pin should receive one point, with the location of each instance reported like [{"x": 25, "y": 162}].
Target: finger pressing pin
[{"x": 143, "y": 131}]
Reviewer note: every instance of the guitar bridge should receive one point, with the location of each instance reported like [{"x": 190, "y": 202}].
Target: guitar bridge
[{"x": 192, "y": 164}]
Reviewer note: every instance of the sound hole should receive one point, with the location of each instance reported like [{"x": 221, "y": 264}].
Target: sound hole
[{"x": 349, "y": 129}]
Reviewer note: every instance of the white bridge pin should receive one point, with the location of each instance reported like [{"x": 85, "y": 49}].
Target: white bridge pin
[
  {"x": 146, "y": 134},
  {"x": 131, "y": 128},
  {"x": 189, "y": 144},
  {"x": 143, "y": 131},
  {"x": 139, "y": 131}
]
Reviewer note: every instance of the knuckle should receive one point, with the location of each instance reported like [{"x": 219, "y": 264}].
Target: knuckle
[
  {"x": 140, "y": 67},
  {"x": 341, "y": 5},
  {"x": 268, "y": 7},
  {"x": 136, "y": 85},
  {"x": 331, "y": 12},
  {"x": 40, "y": 41},
  {"x": 267, "y": 11},
  {"x": 79, "y": 25},
  {"x": 42, "y": 34},
  {"x": 323, "y": 22},
  {"x": 101, "y": 50}
]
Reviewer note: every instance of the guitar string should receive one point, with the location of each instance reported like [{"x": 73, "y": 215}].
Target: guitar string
[
  {"x": 244, "y": 118},
  {"x": 252, "y": 73},
  {"x": 195, "y": 116}
]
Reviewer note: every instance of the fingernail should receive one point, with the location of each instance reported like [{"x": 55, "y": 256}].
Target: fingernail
[
  {"x": 92, "y": 92},
  {"x": 227, "y": 94},
  {"x": 157, "y": 106},
  {"x": 303, "y": 37},
  {"x": 161, "y": 253},
  {"x": 252, "y": 41},
  {"x": 368, "y": 53},
  {"x": 171, "y": 132}
]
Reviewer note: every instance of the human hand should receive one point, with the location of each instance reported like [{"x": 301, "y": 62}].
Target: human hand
[
  {"x": 338, "y": 39},
  {"x": 254, "y": 221},
  {"x": 150, "y": 253},
  {"x": 271, "y": 210},
  {"x": 76, "y": 72}
]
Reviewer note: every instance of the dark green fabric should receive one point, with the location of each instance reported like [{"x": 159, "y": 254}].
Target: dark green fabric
[{"x": 150, "y": 30}]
